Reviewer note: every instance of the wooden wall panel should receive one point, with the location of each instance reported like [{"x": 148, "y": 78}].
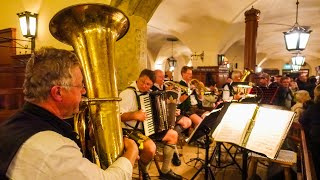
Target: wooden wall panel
[{"x": 207, "y": 73}]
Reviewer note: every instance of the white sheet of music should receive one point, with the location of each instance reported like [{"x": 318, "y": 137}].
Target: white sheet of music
[
  {"x": 269, "y": 130},
  {"x": 234, "y": 123}
]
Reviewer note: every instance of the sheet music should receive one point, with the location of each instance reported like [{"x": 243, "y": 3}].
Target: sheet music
[
  {"x": 269, "y": 130},
  {"x": 234, "y": 123}
]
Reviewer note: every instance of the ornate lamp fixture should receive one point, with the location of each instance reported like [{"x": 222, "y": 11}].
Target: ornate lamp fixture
[
  {"x": 295, "y": 68},
  {"x": 195, "y": 56},
  {"x": 28, "y": 25},
  {"x": 171, "y": 60},
  {"x": 298, "y": 60},
  {"x": 297, "y": 37}
]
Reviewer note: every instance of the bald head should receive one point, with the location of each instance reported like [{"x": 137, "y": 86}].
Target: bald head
[{"x": 159, "y": 76}]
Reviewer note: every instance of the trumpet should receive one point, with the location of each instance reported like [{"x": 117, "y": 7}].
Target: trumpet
[
  {"x": 199, "y": 86},
  {"x": 176, "y": 85}
]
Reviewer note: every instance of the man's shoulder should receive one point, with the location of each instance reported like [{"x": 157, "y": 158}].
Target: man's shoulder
[
  {"x": 128, "y": 90},
  {"x": 48, "y": 139}
]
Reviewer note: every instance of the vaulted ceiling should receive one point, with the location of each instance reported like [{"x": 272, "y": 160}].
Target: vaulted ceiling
[{"x": 216, "y": 27}]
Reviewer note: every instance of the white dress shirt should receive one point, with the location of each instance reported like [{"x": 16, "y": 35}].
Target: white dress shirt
[
  {"x": 129, "y": 103},
  {"x": 226, "y": 93},
  {"x": 49, "y": 155}
]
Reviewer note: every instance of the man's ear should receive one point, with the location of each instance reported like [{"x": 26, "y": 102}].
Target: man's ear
[{"x": 55, "y": 93}]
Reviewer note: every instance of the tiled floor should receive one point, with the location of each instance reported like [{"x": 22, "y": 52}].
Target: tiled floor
[{"x": 189, "y": 168}]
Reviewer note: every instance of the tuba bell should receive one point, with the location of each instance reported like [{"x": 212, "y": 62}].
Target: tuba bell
[
  {"x": 246, "y": 73},
  {"x": 92, "y": 30}
]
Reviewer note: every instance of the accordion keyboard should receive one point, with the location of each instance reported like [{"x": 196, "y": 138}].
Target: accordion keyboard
[{"x": 148, "y": 123}]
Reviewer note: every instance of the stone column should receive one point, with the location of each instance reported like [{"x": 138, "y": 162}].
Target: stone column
[
  {"x": 131, "y": 50},
  {"x": 250, "y": 48}
]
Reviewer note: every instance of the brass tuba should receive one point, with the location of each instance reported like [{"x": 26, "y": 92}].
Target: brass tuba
[
  {"x": 199, "y": 85},
  {"x": 246, "y": 73},
  {"x": 176, "y": 86},
  {"x": 92, "y": 29}
]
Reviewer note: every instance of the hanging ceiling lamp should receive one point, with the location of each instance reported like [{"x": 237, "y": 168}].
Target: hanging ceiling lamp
[
  {"x": 171, "y": 60},
  {"x": 297, "y": 37},
  {"x": 298, "y": 60}
]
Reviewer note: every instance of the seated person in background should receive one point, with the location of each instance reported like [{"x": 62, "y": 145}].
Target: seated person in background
[
  {"x": 229, "y": 92},
  {"x": 132, "y": 117},
  {"x": 37, "y": 143},
  {"x": 211, "y": 96},
  {"x": 190, "y": 105},
  {"x": 182, "y": 122},
  {"x": 300, "y": 97}
]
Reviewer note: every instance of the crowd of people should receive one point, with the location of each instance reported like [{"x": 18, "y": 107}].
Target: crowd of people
[{"x": 37, "y": 139}]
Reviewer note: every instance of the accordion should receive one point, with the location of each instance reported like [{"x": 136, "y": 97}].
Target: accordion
[{"x": 160, "y": 107}]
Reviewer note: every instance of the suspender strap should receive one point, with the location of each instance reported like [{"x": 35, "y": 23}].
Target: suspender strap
[
  {"x": 139, "y": 105},
  {"x": 137, "y": 96}
]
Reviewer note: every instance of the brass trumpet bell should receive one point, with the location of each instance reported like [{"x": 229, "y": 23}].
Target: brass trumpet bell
[{"x": 92, "y": 29}]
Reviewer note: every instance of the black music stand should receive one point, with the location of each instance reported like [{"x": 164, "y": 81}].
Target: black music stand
[
  {"x": 265, "y": 95},
  {"x": 217, "y": 149},
  {"x": 208, "y": 124}
]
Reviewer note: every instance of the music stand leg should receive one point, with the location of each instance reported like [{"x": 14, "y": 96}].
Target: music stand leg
[
  {"x": 206, "y": 166},
  {"x": 244, "y": 164},
  {"x": 197, "y": 159},
  {"x": 216, "y": 154}
]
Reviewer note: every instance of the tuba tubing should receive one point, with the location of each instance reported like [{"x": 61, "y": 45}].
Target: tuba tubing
[{"x": 92, "y": 30}]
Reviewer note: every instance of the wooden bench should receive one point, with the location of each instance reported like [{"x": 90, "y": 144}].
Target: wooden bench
[
  {"x": 285, "y": 159},
  {"x": 303, "y": 159},
  {"x": 307, "y": 167}
]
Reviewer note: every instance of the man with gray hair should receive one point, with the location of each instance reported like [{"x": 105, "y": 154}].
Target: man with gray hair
[{"x": 37, "y": 142}]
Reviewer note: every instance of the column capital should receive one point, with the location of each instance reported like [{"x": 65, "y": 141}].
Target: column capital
[{"x": 252, "y": 15}]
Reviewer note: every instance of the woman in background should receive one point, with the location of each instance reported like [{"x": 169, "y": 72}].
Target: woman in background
[
  {"x": 311, "y": 123},
  {"x": 301, "y": 97}
]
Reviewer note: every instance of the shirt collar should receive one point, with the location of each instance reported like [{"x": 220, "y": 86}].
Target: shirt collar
[{"x": 158, "y": 86}]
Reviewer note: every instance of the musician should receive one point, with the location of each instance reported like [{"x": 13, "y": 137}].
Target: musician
[
  {"x": 210, "y": 100},
  {"x": 190, "y": 105},
  {"x": 36, "y": 143},
  {"x": 228, "y": 90},
  {"x": 132, "y": 118},
  {"x": 182, "y": 122},
  {"x": 229, "y": 93}
]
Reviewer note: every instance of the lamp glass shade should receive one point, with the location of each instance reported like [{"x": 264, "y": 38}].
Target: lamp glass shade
[
  {"x": 28, "y": 24},
  {"x": 33, "y": 26},
  {"x": 296, "y": 39},
  {"x": 298, "y": 60},
  {"x": 23, "y": 25},
  {"x": 295, "y": 67},
  {"x": 172, "y": 62},
  {"x": 304, "y": 37}
]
